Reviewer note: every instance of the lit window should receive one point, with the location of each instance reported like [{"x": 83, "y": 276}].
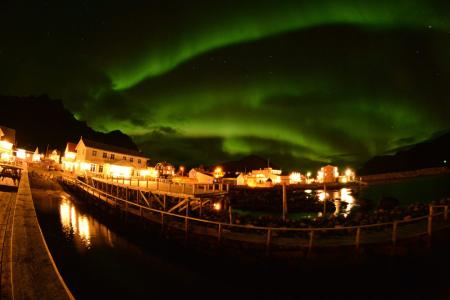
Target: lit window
[
  {"x": 139, "y": 161},
  {"x": 105, "y": 154},
  {"x": 131, "y": 159},
  {"x": 92, "y": 168},
  {"x": 94, "y": 153},
  {"x": 112, "y": 156},
  {"x": 100, "y": 168}
]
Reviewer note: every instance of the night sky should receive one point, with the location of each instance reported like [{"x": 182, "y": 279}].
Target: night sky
[{"x": 299, "y": 82}]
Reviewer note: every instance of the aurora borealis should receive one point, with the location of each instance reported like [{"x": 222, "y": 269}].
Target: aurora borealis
[{"x": 300, "y": 82}]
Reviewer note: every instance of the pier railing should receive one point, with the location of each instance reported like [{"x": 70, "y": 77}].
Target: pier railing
[
  {"x": 166, "y": 185},
  {"x": 282, "y": 237}
]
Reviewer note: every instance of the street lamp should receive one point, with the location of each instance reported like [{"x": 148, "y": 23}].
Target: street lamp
[{"x": 182, "y": 171}]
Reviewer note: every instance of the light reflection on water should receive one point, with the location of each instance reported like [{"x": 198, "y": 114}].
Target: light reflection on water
[
  {"x": 339, "y": 196},
  {"x": 74, "y": 223}
]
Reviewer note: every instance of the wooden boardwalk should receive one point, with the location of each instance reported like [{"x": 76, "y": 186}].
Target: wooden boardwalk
[
  {"x": 272, "y": 238},
  {"x": 169, "y": 188},
  {"x": 27, "y": 267}
]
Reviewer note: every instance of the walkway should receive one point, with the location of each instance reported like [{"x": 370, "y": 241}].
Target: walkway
[{"x": 27, "y": 268}]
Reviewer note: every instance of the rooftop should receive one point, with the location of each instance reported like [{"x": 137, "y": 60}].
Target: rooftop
[{"x": 111, "y": 148}]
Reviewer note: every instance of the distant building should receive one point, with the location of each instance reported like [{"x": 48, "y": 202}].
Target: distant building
[
  {"x": 165, "y": 169},
  {"x": 260, "y": 178},
  {"x": 68, "y": 160},
  {"x": 7, "y": 142},
  {"x": 328, "y": 174},
  {"x": 102, "y": 159},
  {"x": 201, "y": 176}
]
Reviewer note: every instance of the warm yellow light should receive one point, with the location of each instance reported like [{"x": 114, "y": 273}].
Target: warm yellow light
[
  {"x": 70, "y": 155},
  {"x": 6, "y": 145},
  {"x": 21, "y": 153},
  {"x": 308, "y": 174},
  {"x": 144, "y": 172},
  {"x": 85, "y": 166},
  {"x": 181, "y": 168},
  {"x": 5, "y": 156},
  {"x": 218, "y": 172},
  {"x": 36, "y": 157},
  {"x": 348, "y": 172},
  {"x": 295, "y": 177},
  {"x": 119, "y": 171},
  {"x": 217, "y": 206},
  {"x": 320, "y": 175},
  {"x": 323, "y": 196}
]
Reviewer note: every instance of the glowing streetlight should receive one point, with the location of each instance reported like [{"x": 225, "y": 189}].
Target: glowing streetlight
[
  {"x": 182, "y": 170},
  {"x": 218, "y": 172},
  {"x": 348, "y": 172}
]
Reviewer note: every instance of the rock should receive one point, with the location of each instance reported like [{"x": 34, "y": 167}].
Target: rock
[{"x": 387, "y": 203}]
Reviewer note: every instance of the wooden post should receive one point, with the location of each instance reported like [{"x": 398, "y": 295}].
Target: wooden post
[
  {"x": 205, "y": 188},
  {"x": 186, "y": 224},
  {"x": 394, "y": 232},
  {"x": 324, "y": 199},
  {"x": 230, "y": 215},
  {"x": 228, "y": 187},
  {"x": 311, "y": 238},
  {"x": 285, "y": 211},
  {"x": 430, "y": 221},
  {"x": 219, "y": 233},
  {"x": 147, "y": 182},
  {"x": 138, "y": 182},
  {"x": 268, "y": 240},
  {"x": 446, "y": 213},
  {"x": 184, "y": 187},
  {"x": 123, "y": 180},
  {"x": 358, "y": 238},
  {"x": 193, "y": 189}
]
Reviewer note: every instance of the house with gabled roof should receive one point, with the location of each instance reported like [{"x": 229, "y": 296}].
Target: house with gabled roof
[{"x": 107, "y": 160}]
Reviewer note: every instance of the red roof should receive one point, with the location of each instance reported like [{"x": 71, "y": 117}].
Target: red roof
[{"x": 71, "y": 147}]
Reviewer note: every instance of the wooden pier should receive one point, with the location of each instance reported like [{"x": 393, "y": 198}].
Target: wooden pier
[{"x": 135, "y": 202}]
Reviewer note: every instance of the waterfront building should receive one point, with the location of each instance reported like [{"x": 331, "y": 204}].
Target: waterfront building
[
  {"x": 36, "y": 156},
  {"x": 106, "y": 160},
  {"x": 328, "y": 174},
  {"x": 68, "y": 160},
  {"x": 201, "y": 176},
  {"x": 7, "y": 142},
  {"x": 54, "y": 156},
  {"x": 165, "y": 169},
  {"x": 266, "y": 177},
  {"x": 347, "y": 176}
]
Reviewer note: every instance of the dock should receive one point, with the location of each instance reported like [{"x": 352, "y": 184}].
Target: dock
[
  {"x": 27, "y": 267},
  {"x": 176, "y": 218}
]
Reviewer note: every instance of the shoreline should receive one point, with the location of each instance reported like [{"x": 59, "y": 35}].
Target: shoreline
[{"x": 404, "y": 175}]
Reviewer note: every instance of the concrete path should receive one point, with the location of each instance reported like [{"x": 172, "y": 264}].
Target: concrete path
[{"x": 27, "y": 267}]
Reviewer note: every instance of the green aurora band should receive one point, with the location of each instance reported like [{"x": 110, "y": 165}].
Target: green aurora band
[{"x": 270, "y": 20}]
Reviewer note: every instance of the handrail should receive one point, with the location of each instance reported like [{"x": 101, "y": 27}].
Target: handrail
[{"x": 265, "y": 228}]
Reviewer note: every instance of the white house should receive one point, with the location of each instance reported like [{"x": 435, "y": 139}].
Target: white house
[
  {"x": 68, "y": 160},
  {"x": 98, "y": 158},
  {"x": 201, "y": 176}
]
